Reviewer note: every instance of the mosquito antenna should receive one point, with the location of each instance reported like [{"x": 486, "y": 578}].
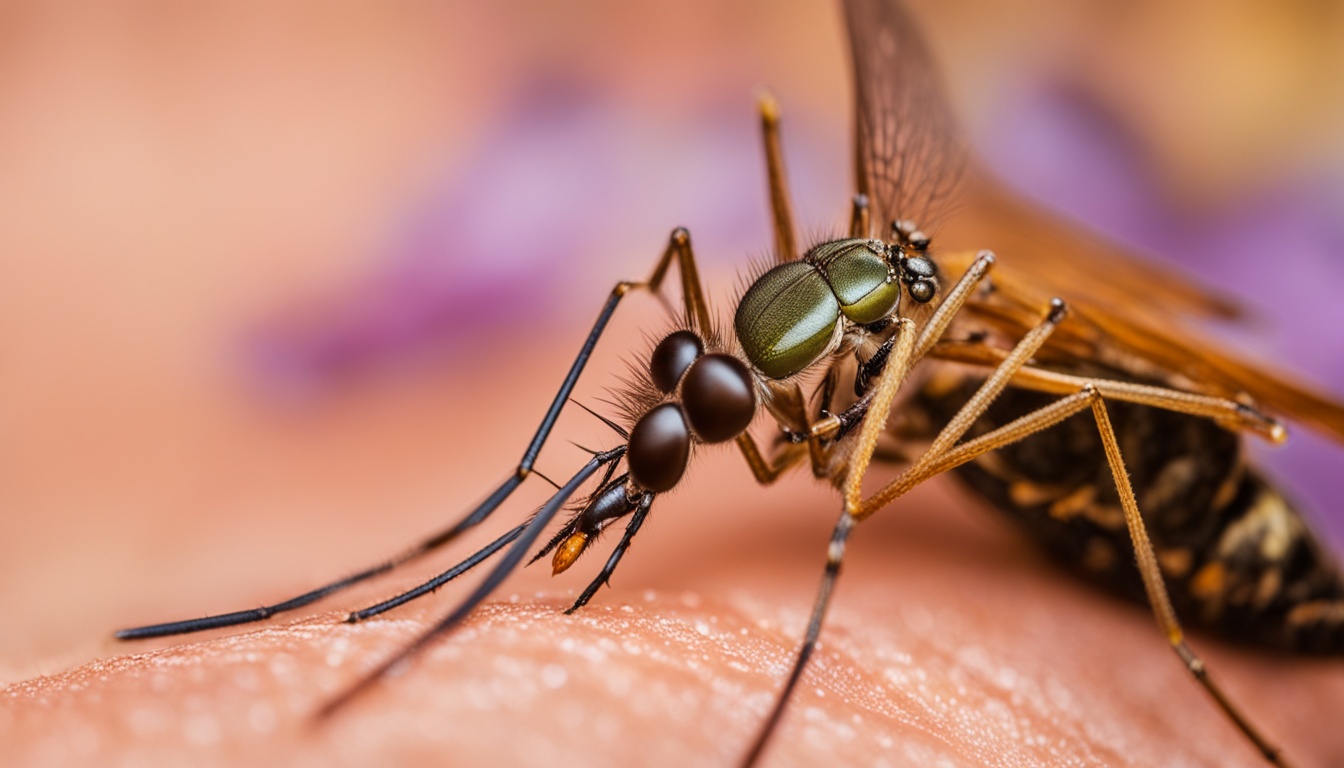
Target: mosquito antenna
[
  {"x": 502, "y": 569},
  {"x": 618, "y": 429}
]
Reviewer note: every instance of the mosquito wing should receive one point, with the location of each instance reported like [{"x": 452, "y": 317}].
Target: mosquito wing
[
  {"x": 907, "y": 154},
  {"x": 1128, "y": 313},
  {"x": 1139, "y": 336}
]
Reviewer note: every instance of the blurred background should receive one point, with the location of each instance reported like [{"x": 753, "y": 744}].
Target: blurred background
[{"x": 286, "y": 287}]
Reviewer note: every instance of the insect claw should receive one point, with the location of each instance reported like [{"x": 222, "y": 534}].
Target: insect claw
[{"x": 1058, "y": 309}]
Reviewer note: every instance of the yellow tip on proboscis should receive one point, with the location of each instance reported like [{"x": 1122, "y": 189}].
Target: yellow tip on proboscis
[{"x": 568, "y": 552}]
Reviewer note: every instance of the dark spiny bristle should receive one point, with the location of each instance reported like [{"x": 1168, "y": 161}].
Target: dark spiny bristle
[{"x": 634, "y": 394}]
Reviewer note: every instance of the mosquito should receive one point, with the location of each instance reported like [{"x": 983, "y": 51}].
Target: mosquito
[{"x": 880, "y": 309}]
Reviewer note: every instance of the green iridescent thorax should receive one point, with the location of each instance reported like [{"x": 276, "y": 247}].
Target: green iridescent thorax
[
  {"x": 863, "y": 281},
  {"x": 788, "y": 318}
]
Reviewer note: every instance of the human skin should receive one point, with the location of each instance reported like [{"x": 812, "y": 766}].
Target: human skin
[
  {"x": 151, "y": 488},
  {"x": 951, "y": 642}
]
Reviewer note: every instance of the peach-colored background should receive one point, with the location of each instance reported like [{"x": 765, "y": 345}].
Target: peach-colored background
[{"x": 194, "y": 197}]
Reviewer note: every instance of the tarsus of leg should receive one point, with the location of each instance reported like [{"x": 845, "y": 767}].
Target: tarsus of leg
[
  {"x": 1157, "y": 591},
  {"x": 890, "y": 381},
  {"x": 492, "y": 580}
]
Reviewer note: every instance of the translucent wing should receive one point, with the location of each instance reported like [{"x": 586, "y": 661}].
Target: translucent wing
[
  {"x": 1141, "y": 338},
  {"x": 1127, "y": 313},
  {"x": 907, "y": 154},
  {"x": 1045, "y": 250},
  {"x": 909, "y": 160}
]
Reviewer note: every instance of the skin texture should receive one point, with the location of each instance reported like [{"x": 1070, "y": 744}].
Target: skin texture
[
  {"x": 951, "y": 643},
  {"x": 173, "y": 182},
  {"x": 951, "y": 640}
]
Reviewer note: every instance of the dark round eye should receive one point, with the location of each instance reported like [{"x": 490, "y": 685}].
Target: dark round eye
[
  {"x": 917, "y": 267},
  {"x": 659, "y": 448},
  {"x": 672, "y": 357},
  {"x": 922, "y": 291},
  {"x": 719, "y": 397}
]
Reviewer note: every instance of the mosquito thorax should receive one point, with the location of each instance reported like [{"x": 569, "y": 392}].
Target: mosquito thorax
[
  {"x": 795, "y": 314},
  {"x": 711, "y": 399}
]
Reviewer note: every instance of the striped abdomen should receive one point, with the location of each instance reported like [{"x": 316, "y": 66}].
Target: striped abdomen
[{"x": 1237, "y": 555}]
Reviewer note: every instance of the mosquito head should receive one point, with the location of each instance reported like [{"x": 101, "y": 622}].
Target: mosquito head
[{"x": 701, "y": 398}]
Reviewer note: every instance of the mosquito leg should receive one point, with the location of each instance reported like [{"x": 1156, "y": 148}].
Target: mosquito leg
[
  {"x": 1157, "y": 590},
  {"x": 1021, "y": 427},
  {"x": 1044, "y": 418},
  {"x": 835, "y": 554},
  {"x": 1228, "y": 413},
  {"x": 884, "y": 394},
  {"x": 484, "y": 553},
  {"x": 874, "y": 422},
  {"x": 970, "y": 411},
  {"x": 501, "y": 571},
  {"x": 790, "y": 411},
  {"x": 679, "y": 250},
  {"x": 859, "y": 217},
  {"x": 781, "y": 209},
  {"x": 604, "y": 576},
  {"x": 938, "y": 460},
  {"x": 1036, "y": 421},
  {"x": 767, "y": 471},
  {"x": 952, "y": 303}
]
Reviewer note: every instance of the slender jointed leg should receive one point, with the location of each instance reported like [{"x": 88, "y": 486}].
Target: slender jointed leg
[
  {"x": 767, "y": 471},
  {"x": 679, "y": 250},
  {"x": 897, "y": 367},
  {"x": 790, "y": 410},
  {"x": 478, "y": 557},
  {"x": 1228, "y": 413},
  {"x": 943, "y": 456},
  {"x": 1157, "y": 590},
  {"x": 781, "y": 209},
  {"x": 874, "y": 422},
  {"x": 1044, "y": 418},
  {"x": 1091, "y": 395},
  {"x": 501, "y": 571}
]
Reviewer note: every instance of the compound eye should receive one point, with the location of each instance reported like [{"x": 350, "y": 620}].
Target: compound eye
[
  {"x": 917, "y": 268},
  {"x": 922, "y": 291},
  {"x": 719, "y": 396},
  {"x": 659, "y": 448},
  {"x": 673, "y": 355}
]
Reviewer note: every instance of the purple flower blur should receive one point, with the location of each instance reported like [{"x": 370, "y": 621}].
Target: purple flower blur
[{"x": 1278, "y": 250}]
